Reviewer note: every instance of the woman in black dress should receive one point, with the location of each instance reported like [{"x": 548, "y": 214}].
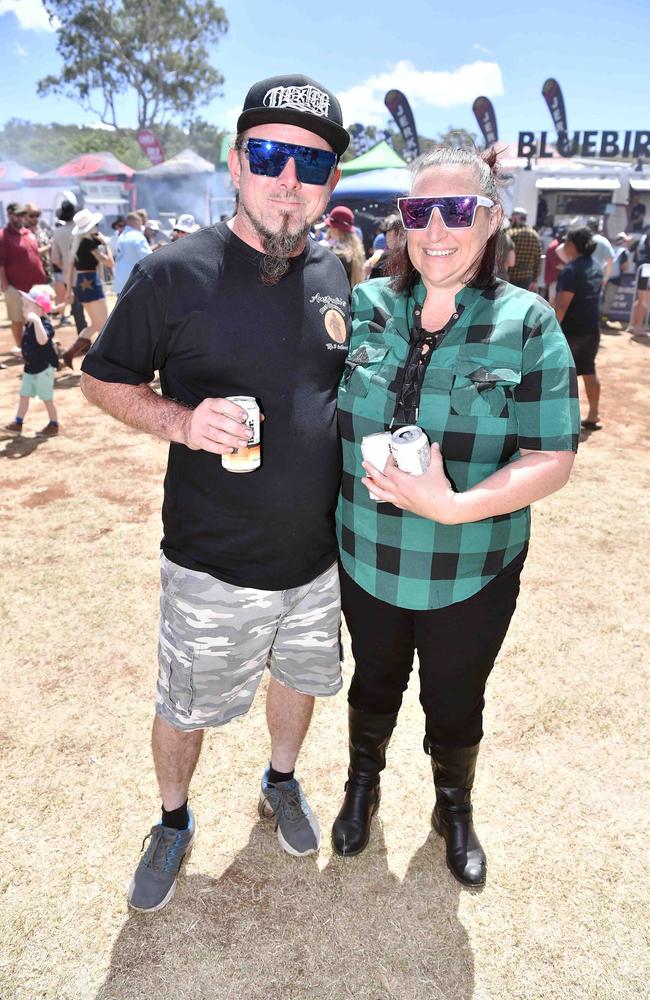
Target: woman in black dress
[{"x": 578, "y": 312}]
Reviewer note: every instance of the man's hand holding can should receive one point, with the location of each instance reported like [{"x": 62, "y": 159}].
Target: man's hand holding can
[{"x": 217, "y": 425}]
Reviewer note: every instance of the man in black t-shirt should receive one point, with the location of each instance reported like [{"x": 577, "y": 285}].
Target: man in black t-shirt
[{"x": 249, "y": 307}]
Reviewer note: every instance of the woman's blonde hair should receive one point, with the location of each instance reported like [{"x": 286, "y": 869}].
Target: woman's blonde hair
[{"x": 353, "y": 248}]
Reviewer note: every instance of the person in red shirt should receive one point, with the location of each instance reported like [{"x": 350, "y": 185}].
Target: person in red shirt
[{"x": 20, "y": 266}]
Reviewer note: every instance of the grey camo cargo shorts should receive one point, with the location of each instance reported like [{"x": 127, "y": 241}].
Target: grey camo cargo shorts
[{"x": 216, "y": 639}]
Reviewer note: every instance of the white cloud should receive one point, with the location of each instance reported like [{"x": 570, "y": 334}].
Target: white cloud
[
  {"x": 31, "y": 14},
  {"x": 20, "y": 50},
  {"x": 104, "y": 126},
  {"x": 444, "y": 89}
]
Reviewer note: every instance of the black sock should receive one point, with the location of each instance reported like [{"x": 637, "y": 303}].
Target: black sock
[
  {"x": 178, "y": 819},
  {"x": 275, "y": 776}
]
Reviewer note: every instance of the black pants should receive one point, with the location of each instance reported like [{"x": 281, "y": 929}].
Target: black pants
[{"x": 456, "y": 647}]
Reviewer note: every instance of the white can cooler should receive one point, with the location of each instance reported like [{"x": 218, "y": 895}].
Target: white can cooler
[{"x": 375, "y": 449}]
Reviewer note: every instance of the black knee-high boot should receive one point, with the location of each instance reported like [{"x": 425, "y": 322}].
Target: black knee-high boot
[
  {"x": 369, "y": 737},
  {"x": 453, "y": 776}
]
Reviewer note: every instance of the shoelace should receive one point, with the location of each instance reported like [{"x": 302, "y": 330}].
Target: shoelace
[
  {"x": 163, "y": 859},
  {"x": 291, "y": 804}
]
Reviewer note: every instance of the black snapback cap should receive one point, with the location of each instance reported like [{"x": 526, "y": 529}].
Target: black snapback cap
[{"x": 296, "y": 100}]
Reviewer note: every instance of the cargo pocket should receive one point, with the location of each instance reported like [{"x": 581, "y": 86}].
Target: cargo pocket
[
  {"x": 478, "y": 391},
  {"x": 176, "y": 659}
]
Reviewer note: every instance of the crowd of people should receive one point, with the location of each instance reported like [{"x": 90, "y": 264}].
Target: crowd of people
[
  {"x": 44, "y": 271},
  {"x": 254, "y": 319}
]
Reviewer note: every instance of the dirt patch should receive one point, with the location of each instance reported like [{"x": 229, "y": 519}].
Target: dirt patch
[
  {"x": 560, "y": 794},
  {"x": 44, "y": 495}
]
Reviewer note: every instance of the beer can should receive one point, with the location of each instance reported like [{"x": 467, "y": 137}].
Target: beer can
[
  {"x": 410, "y": 448},
  {"x": 375, "y": 449},
  {"x": 248, "y": 458}
]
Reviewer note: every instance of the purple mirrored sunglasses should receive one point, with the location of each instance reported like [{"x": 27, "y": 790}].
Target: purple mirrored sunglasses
[{"x": 456, "y": 211}]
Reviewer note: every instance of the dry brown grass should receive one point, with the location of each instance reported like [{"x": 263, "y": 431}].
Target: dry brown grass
[{"x": 561, "y": 794}]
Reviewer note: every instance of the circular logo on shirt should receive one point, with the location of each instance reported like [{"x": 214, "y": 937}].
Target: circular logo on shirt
[{"x": 335, "y": 325}]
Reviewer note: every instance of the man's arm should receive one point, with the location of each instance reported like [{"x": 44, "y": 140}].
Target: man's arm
[
  {"x": 216, "y": 425},
  {"x": 56, "y": 258},
  {"x": 4, "y": 284}
]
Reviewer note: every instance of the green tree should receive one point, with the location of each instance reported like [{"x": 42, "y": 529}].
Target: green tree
[
  {"x": 157, "y": 49},
  {"x": 44, "y": 147},
  {"x": 204, "y": 138},
  {"x": 452, "y": 136},
  {"x": 457, "y": 137}
]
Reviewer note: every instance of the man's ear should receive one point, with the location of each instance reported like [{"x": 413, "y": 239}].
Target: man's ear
[
  {"x": 335, "y": 178},
  {"x": 234, "y": 166}
]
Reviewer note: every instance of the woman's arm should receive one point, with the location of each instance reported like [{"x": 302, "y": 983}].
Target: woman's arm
[
  {"x": 533, "y": 476},
  {"x": 562, "y": 303},
  {"x": 104, "y": 256}
]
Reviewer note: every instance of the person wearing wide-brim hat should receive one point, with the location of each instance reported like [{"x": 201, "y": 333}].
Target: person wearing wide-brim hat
[
  {"x": 341, "y": 232},
  {"x": 183, "y": 226},
  {"x": 90, "y": 249}
]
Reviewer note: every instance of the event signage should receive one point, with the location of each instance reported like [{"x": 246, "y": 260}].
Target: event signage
[
  {"x": 553, "y": 96},
  {"x": 400, "y": 109},
  {"x": 603, "y": 145},
  {"x": 487, "y": 120},
  {"x": 151, "y": 146},
  {"x": 621, "y": 306}
]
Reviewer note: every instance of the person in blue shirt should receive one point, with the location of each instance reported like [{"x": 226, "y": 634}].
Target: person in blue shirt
[{"x": 132, "y": 246}]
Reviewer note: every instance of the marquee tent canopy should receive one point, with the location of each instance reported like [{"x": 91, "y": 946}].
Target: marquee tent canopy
[
  {"x": 89, "y": 166},
  {"x": 382, "y": 184},
  {"x": 12, "y": 174},
  {"x": 380, "y": 157},
  {"x": 183, "y": 164},
  {"x": 371, "y": 196}
]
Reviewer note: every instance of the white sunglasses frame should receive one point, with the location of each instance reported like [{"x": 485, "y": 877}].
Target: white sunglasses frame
[{"x": 481, "y": 201}]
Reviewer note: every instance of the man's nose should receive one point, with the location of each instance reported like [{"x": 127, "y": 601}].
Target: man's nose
[{"x": 289, "y": 175}]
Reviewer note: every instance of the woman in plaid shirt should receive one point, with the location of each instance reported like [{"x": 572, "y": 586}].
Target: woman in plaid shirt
[{"x": 484, "y": 369}]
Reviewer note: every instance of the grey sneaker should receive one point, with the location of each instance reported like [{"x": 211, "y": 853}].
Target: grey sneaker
[
  {"x": 154, "y": 882},
  {"x": 297, "y": 827}
]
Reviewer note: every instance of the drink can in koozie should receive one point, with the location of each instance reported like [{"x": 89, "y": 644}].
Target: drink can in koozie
[
  {"x": 375, "y": 449},
  {"x": 410, "y": 448},
  {"x": 248, "y": 458}
]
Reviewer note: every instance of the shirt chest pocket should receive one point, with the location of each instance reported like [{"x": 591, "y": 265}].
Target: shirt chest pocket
[
  {"x": 363, "y": 367},
  {"x": 481, "y": 391}
]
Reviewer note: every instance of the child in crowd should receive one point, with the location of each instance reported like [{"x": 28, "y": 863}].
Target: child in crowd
[{"x": 41, "y": 361}]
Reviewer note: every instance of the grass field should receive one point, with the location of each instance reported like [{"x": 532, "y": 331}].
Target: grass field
[{"x": 561, "y": 800}]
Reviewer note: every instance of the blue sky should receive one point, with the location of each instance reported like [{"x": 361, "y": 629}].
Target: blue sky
[{"x": 441, "y": 55}]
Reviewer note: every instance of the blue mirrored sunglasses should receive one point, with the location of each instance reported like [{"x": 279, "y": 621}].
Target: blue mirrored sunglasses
[
  {"x": 267, "y": 158},
  {"x": 456, "y": 211}
]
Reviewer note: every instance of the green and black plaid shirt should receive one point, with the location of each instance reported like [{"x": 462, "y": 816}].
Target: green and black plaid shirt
[{"x": 501, "y": 378}]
